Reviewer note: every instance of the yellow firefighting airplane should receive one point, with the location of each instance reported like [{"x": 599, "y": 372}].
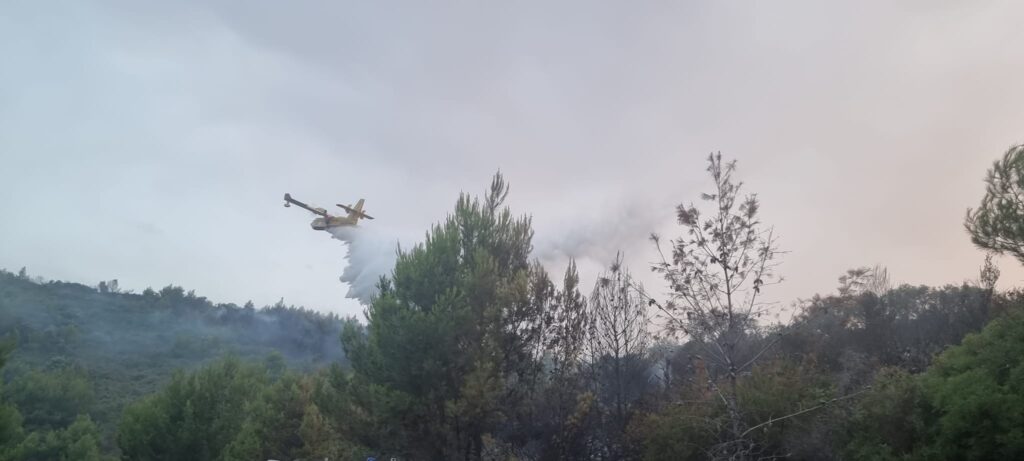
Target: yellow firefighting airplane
[{"x": 327, "y": 221}]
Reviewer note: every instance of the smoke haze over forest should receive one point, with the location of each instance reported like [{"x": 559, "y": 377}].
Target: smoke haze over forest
[
  {"x": 575, "y": 231},
  {"x": 151, "y": 142}
]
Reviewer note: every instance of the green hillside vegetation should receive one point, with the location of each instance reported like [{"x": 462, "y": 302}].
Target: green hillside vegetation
[{"x": 91, "y": 350}]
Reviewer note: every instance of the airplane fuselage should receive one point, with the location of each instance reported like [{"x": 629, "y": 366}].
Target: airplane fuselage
[{"x": 333, "y": 221}]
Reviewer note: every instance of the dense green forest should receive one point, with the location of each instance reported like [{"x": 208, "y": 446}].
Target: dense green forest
[
  {"x": 471, "y": 350},
  {"x": 89, "y": 351}
]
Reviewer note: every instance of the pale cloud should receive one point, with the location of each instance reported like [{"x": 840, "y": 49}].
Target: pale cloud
[{"x": 152, "y": 141}]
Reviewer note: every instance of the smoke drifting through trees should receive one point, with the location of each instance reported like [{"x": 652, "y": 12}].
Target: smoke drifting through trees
[
  {"x": 599, "y": 235},
  {"x": 371, "y": 249}
]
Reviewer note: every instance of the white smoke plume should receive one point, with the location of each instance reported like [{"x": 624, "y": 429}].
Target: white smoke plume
[
  {"x": 595, "y": 235},
  {"x": 371, "y": 253},
  {"x": 620, "y": 225},
  {"x": 593, "y": 239}
]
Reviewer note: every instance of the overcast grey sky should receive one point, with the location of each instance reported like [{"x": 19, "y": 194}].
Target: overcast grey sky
[{"x": 152, "y": 141}]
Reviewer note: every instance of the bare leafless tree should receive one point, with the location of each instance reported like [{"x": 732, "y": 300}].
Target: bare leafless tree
[{"x": 619, "y": 338}]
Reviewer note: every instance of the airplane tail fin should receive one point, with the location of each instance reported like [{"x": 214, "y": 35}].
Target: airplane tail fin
[{"x": 356, "y": 211}]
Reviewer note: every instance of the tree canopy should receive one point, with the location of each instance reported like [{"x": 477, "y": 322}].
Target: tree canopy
[{"x": 998, "y": 223}]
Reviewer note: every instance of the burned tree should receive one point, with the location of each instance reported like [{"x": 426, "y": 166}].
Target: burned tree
[{"x": 618, "y": 340}]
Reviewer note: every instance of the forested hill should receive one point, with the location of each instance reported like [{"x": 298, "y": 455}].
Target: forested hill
[{"x": 127, "y": 345}]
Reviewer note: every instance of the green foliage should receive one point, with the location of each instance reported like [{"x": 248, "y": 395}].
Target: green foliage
[
  {"x": 969, "y": 405},
  {"x": 463, "y": 316},
  {"x": 77, "y": 442},
  {"x": 678, "y": 432},
  {"x": 781, "y": 399},
  {"x": 10, "y": 426},
  {"x": 10, "y": 418},
  {"x": 50, "y": 400},
  {"x": 887, "y": 422},
  {"x": 786, "y": 404},
  {"x": 194, "y": 417},
  {"x": 977, "y": 392},
  {"x": 95, "y": 350},
  {"x": 235, "y": 411},
  {"x": 833, "y": 350},
  {"x": 563, "y": 412},
  {"x": 998, "y": 223}
]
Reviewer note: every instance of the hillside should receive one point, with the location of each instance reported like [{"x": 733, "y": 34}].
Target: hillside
[{"x": 128, "y": 345}]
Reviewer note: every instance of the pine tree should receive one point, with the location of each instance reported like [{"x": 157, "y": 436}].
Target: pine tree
[
  {"x": 461, "y": 321},
  {"x": 998, "y": 224}
]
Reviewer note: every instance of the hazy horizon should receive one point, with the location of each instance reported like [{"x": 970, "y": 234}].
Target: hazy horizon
[{"x": 152, "y": 142}]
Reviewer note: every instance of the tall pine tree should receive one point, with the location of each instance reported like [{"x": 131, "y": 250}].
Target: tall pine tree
[{"x": 455, "y": 334}]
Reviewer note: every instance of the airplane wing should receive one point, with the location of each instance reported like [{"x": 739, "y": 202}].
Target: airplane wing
[{"x": 289, "y": 200}]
